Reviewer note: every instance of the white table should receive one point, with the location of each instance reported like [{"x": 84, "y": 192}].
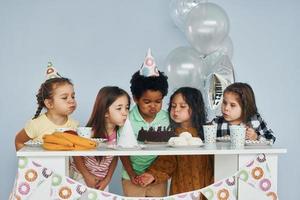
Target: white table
[{"x": 227, "y": 159}]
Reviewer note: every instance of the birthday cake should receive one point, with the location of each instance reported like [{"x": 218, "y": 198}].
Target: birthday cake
[{"x": 152, "y": 135}]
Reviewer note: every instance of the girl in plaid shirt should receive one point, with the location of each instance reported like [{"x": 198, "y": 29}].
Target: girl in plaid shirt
[{"x": 239, "y": 107}]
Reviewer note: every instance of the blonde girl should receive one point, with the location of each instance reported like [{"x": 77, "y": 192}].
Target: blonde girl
[{"x": 57, "y": 96}]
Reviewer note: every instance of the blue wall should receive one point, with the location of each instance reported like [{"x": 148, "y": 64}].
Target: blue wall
[{"x": 98, "y": 43}]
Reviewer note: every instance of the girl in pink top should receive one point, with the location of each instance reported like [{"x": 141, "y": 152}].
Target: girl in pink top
[{"x": 109, "y": 113}]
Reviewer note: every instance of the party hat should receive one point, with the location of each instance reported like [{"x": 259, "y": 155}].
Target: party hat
[
  {"x": 127, "y": 138},
  {"x": 51, "y": 72},
  {"x": 149, "y": 66}
]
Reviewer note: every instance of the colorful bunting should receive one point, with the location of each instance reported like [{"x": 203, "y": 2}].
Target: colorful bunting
[{"x": 32, "y": 175}]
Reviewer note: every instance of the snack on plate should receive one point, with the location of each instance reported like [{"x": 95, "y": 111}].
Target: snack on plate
[
  {"x": 185, "y": 139},
  {"x": 186, "y": 135},
  {"x": 66, "y": 141},
  {"x": 71, "y": 132}
]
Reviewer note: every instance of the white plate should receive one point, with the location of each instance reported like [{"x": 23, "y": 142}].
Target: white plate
[
  {"x": 113, "y": 146},
  {"x": 186, "y": 146},
  {"x": 32, "y": 143},
  {"x": 257, "y": 143},
  {"x": 99, "y": 140}
]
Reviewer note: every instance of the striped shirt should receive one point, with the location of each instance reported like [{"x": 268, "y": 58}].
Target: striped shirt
[{"x": 98, "y": 167}]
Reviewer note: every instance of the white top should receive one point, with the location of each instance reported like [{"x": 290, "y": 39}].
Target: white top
[{"x": 220, "y": 148}]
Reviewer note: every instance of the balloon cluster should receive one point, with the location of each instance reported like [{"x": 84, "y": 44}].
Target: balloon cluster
[{"x": 206, "y": 65}]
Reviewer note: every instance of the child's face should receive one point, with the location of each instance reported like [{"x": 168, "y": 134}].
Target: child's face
[
  {"x": 118, "y": 111},
  {"x": 231, "y": 109},
  {"x": 63, "y": 101},
  {"x": 180, "y": 111},
  {"x": 149, "y": 104}
]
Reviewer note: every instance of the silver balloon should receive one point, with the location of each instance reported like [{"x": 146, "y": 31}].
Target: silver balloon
[
  {"x": 184, "y": 67},
  {"x": 206, "y": 26},
  {"x": 226, "y": 48},
  {"x": 218, "y": 77},
  {"x": 179, "y": 10}
]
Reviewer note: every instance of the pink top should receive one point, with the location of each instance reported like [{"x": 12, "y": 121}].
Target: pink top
[{"x": 99, "y": 167}]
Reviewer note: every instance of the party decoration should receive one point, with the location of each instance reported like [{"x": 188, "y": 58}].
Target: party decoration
[
  {"x": 257, "y": 174},
  {"x": 226, "y": 48},
  {"x": 184, "y": 67},
  {"x": 218, "y": 77},
  {"x": 149, "y": 66},
  {"x": 179, "y": 10},
  {"x": 30, "y": 176},
  {"x": 252, "y": 180},
  {"x": 66, "y": 188},
  {"x": 224, "y": 189},
  {"x": 51, "y": 72},
  {"x": 206, "y": 26},
  {"x": 244, "y": 189},
  {"x": 126, "y": 137}
]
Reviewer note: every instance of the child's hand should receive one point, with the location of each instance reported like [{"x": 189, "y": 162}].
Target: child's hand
[
  {"x": 101, "y": 185},
  {"x": 91, "y": 180},
  {"x": 145, "y": 179},
  {"x": 133, "y": 178},
  {"x": 251, "y": 134}
]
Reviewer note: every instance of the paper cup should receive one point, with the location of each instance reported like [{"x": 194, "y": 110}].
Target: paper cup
[
  {"x": 84, "y": 132},
  {"x": 210, "y": 133},
  {"x": 237, "y": 135}
]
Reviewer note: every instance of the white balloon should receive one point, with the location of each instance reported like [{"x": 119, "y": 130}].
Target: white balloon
[
  {"x": 184, "y": 67},
  {"x": 206, "y": 26},
  {"x": 179, "y": 9},
  {"x": 226, "y": 48}
]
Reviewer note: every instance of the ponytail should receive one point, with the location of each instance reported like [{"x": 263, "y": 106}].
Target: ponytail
[
  {"x": 46, "y": 92},
  {"x": 38, "y": 111}
]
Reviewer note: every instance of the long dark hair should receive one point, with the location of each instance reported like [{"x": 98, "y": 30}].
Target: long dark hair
[
  {"x": 105, "y": 98},
  {"x": 246, "y": 99},
  {"x": 194, "y": 99},
  {"x": 46, "y": 92}
]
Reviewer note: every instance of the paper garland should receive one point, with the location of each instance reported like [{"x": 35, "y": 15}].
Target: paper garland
[{"x": 31, "y": 175}]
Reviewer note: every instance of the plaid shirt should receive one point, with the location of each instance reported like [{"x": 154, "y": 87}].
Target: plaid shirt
[{"x": 256, "y": 122}]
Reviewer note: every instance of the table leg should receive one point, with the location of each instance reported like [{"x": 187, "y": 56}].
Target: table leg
[{"x": 225, "y": 166}]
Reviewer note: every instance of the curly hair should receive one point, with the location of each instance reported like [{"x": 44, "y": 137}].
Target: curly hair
[
  {"x": 193, "y": 97},
  {"x": 46, "y": 92},
  {"x": 140, "y": 84}
]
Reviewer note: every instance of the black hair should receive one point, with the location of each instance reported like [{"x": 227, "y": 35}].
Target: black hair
[
  {"x": 140, "y": 84},
  {"x": 46, "y": 92},
  {"x": 193, "y": 97}
]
